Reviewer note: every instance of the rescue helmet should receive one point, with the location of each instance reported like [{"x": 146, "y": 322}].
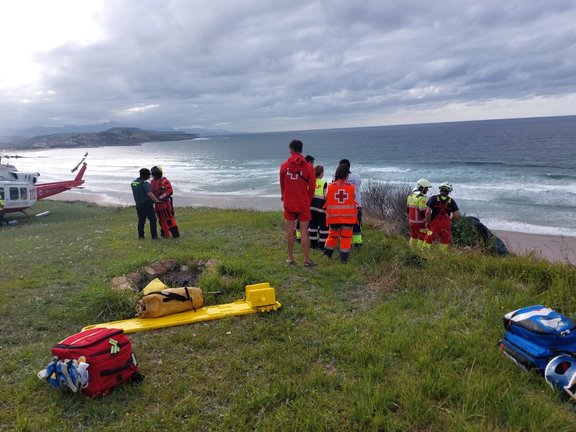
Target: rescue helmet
[
  {"x": 156, "y": 171},
  {"x": 560, "y": 374},
  {"x": 447, "y": 187},
  {"x": 423, "y": 183}
]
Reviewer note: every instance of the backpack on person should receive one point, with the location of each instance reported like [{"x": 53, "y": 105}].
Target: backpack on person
[
  {"x": 296, "y": 168},
  {"x": 534, "y": 335},
  {"x": 93, "y": 362}
]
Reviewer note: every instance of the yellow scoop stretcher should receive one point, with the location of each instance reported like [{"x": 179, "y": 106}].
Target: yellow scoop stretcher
[{"x": 258, "y": 298}]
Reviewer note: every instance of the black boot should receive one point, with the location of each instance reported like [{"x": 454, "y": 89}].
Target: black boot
[
  {"x": 344, "y": 257},
  {"x": 328, "y": 253}
]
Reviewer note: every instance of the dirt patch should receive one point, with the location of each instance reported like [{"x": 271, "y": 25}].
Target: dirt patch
[{"x": 172, "y": 273}]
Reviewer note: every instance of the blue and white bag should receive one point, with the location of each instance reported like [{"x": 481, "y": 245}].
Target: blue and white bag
[{"x": 535, "y": 334}]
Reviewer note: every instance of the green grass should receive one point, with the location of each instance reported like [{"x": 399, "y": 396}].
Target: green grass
[{"x": 393, "y": 341}]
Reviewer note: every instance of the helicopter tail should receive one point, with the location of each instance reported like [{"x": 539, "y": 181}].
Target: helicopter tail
[
  {"x": 46, "y": 190},
  {"x": 78, "y": 179}
]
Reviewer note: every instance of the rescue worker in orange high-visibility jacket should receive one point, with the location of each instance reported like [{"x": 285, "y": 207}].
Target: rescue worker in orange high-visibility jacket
[
  {"x": 341, "y": 213},
  {"x": 416, "y": 206},
  {"x": 441, "y": 211}
]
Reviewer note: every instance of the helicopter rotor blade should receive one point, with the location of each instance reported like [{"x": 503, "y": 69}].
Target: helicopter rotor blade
[
  {"x": 80, "y": 163},
  {"x": 13, "y": 156}
]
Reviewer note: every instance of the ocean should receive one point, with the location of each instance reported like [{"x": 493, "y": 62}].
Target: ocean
[{"x": 515, "y": 175}]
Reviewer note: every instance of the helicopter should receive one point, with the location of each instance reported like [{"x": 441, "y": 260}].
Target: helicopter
[{"x": 20, "y": 190}]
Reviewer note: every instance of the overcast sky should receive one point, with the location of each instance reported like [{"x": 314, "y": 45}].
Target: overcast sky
[{"x": 267, "y": 65}]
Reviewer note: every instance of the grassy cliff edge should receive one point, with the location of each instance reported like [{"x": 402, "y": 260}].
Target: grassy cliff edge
[{"x": 396, "y": 340}]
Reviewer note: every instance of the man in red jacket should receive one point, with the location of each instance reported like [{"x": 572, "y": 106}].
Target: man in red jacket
[{"x": 297, "y": 184}]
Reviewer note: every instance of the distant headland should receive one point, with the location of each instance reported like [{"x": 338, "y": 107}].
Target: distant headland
[{"x": 116, "y": 136}]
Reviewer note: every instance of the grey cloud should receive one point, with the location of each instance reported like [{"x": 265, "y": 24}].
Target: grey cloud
[{"x": 267, "y": 63}]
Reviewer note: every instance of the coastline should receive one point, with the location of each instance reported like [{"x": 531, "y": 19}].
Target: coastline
[
  {"x": 553, "y": 248},
  {"x": 223, "y": 201}
]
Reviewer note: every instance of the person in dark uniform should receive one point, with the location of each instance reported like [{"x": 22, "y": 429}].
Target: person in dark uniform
[
  {"x": 145, "y": 199},
  {"x": 297, "y": 233}
]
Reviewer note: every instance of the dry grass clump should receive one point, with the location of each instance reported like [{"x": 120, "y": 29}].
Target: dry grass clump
[{"x": 384, "y": 204}]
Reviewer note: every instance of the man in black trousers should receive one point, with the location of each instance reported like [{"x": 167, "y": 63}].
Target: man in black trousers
[{"x": 145, "y": 199}]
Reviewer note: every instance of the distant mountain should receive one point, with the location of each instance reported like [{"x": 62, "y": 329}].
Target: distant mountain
[
  {"x": 11, "y": 141},
  {"x": 100, "y": 127},
  {"x": 117, "y": 136},
  {"x": 209, "y": 132},
  {"x": 52, "y": 130}
]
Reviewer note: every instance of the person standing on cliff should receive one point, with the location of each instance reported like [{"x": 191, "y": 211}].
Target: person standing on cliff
[
  {"x": 416, "y": 206},
  {"x": 162, "y": 189},
  {"x": 317, "y": 229},
  {"x": 2, "y": 219},
  {"x": 441, "y": 211},
  {"x": 298, "y": 234},
  {"x": 341, "y": 213},
  {"x": 297, "y": 184},
  {"x": 145, "y": 199},
  {"x": 355, "y": 179}
]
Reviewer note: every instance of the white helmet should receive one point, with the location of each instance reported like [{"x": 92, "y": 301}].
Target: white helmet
[
  {"x": 446, "y": 187},
  {"x": 560, "y": 374},
  {"x": 423, "y": 183}
]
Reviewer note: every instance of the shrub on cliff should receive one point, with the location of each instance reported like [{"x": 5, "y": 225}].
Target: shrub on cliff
[{"x": 385, "y": 202}]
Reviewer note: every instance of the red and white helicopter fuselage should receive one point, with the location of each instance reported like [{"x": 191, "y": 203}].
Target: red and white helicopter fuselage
[{"x": 20, "y": 190}]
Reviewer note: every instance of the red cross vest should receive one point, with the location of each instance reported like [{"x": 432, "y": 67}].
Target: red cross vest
[{"x": 340, "y": 203}]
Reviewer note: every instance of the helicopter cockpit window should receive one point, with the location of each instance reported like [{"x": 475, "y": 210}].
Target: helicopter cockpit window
[
  {"x": 23, "y": 193},
  {"x": 14, "y": 195}
]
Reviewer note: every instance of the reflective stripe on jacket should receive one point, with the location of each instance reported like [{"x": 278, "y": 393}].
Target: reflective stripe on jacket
[
  {"x": 416, "y": 203},
  {"x": 319, "y": 190},
  {"x": 442, "y": 208},
  {"x": 340, "y": 204},
  {"x": 318, "y": 202}
]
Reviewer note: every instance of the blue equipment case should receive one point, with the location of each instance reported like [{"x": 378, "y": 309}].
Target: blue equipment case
[{"x": 535, "y": 334}]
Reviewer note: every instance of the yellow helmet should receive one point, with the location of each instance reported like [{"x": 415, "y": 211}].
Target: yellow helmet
[{"x": 156, "y": 171}]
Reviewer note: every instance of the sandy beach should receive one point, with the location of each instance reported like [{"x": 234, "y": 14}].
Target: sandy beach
[
  {"x": 550, "y": 247},
  {"x": 216, "y": 201},
  {"x": 560, "y": 249}
]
